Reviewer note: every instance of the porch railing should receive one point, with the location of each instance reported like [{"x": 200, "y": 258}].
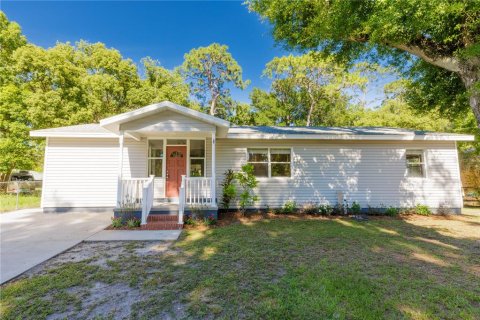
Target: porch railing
[
  {"x": 131, "y": 192},
  {"x": 198, "y": 191},
  {"x": 147, "y": 199},
  {"x": 181, "y": 200}
]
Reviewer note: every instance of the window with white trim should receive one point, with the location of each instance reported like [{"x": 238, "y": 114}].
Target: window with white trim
[
  {"x": 197, "y": 158},
  {"x": 270, "y": 162},
  {"x": 415, "y": 162},
  {"x": 155, "y": 158}
]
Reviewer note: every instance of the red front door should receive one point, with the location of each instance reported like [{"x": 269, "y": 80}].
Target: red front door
[{"x": 176, "y": 167}]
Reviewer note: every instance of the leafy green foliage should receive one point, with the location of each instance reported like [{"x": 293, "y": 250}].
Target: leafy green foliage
[
  {"x": 355, "y": 208},
  {"x": 392, "y": 211},
  {"x": 289, "y": 207},
  {"x": 248, "y": 182},
  {"x": 413, "y": 35},
  {"x": 117, "y": 222},
  {"x": 422, "y": 209},
  {"x": 229, "y": 191},
  {"x": 133, "y": 223}
]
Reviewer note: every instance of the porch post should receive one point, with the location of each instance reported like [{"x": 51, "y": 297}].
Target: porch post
[
  {"x": 214, "y": 195},
  {"x": 120, "y": 168}
]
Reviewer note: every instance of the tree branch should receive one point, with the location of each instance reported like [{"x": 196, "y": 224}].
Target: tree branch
[{"x": 447, "y": 63}]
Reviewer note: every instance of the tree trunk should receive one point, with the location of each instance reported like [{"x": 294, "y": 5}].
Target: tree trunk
[
  {"x": 309, "y": 116},
  {"x": 213, "y": 105},
  {"x": 471, "y": 79}
]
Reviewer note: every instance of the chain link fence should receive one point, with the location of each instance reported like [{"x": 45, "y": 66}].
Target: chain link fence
[{"x": 19, "y": 195}]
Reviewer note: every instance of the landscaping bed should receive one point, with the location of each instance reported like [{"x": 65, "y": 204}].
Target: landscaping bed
[{"x": 269, "y": 267}]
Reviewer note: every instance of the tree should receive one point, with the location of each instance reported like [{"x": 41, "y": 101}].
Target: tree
[
  {"x": 159, "y": 84},
  {"x": 309, "y": 89},
  {"x": 209, "y": 71},
  {"x": 440, "y": 33}
]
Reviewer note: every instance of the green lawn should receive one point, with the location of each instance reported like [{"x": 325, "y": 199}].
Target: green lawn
[
  {"x": 8, "y": 202},
  {"x": 415, "y": 268}
]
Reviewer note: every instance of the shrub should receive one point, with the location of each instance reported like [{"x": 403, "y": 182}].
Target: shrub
[
  {"x": 210, "y": 220},
  {"x": 392, "y": 211},
  {"x": 289, "y": 207},
  {"x": 228, "y": 189},
  {"x": 325, "y": 210},
  {"x": 356, "y": 208},
  {"x": 190, "y": 221},
  {"x": 117, "y": 222},
  {"x": 310, "y": 208},
  {"x": 247, "y": 181},
  {"x": 133, "y": 223},
  {"x": 422, "y": 210}
]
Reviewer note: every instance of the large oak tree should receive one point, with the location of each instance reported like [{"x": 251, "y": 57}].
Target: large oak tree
[{"x": 444, "y": 34}]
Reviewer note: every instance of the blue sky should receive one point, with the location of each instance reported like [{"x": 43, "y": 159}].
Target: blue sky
[{"x": 162, "y": 30}]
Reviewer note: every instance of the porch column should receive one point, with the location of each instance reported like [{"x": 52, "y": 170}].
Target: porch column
[
  {"x": 120, "y": 168},
  {"x": 214, "y": 181}
]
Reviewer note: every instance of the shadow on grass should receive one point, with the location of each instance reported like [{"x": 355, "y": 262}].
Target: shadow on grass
[{"x": 338, "y": 268}]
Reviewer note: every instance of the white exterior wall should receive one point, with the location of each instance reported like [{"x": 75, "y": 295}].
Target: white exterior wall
[
  {"x": 83, "y": 172},
  {"x": 371, "y": 173}
]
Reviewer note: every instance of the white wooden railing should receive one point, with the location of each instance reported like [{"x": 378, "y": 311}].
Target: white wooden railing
[
  {"x": 147, "y": 199},
  {"x": 131, "y": 192},
  {"x": 181, "y": 200},
  {"x": 198, "y": 191}
]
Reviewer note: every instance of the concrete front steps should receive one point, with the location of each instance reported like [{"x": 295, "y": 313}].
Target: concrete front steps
[{"x": 162, "y": 222}]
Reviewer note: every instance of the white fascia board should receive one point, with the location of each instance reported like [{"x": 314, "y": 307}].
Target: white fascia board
[
  {"x": 430, "y": 137},
  {"x": 71, "y": 135}
]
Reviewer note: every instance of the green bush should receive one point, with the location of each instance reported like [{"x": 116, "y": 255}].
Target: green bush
[
  {"x": 289, "y": 207},
  {"x": 117, "y": 222},
  {"x": 356, "y": 208},
  {"x": 248, "y": 182},
  {"x": 133, "y": 223},
  {"x": 325, "y": 210},
  {"x": 392, "y": 211},
  {"x": 422, "y": 210},
  {"x": 210, "y": 220},
  {"x": 229, "y": 191},
  {"x": 190, "y": 221}
]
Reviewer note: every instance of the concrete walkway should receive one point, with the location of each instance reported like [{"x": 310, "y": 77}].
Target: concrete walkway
[
  {"x": 133, "y": 235},
  {"x": 29, "y": 237}
]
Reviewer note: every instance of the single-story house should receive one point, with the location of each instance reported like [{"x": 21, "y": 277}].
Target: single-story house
[{"x": 166, "y": 153}]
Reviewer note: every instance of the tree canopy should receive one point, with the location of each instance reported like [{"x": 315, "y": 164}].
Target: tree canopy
[{"x": 440, "y": 33}]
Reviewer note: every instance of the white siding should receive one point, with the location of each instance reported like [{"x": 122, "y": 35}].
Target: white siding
[
  {"x": 370, "y": 173},
  {"x": 83, "y": 172},
  {"x": 80, "y": 172},
  {"x": 167, "y": 121}
]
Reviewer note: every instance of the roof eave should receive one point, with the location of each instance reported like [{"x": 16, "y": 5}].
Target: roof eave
[{"x": 350, "y": 137}]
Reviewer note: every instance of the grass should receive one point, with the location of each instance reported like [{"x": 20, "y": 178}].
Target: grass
[
  {"x": 414, "y": 268},
  {"x": 8, "y": 202}
]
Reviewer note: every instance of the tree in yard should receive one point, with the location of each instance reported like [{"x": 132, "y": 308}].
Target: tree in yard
[
  {"x": 443, "y": 34},
  {"x": 208, "y": 71}
]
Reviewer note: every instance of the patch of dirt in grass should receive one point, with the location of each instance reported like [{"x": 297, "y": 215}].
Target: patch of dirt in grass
[{"x": 113, "y": 295}]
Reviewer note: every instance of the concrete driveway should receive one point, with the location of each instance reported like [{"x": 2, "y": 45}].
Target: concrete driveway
[{"x": 29, "y": 237}]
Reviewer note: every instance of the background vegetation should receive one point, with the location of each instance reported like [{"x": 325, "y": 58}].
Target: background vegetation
[{"x": 83, "y": 82}]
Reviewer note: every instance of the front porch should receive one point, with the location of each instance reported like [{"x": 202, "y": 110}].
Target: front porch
[{"x": 167, "y": 161}]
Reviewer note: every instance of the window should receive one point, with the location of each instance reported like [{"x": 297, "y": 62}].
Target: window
[
  {"x": 270, "y": 162},
  {"x": 415, "y": 163},
  {"x": 155, "y": 158},
  {"x": 258, "y": 158},
  {"x": 197, "y": 158}
]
